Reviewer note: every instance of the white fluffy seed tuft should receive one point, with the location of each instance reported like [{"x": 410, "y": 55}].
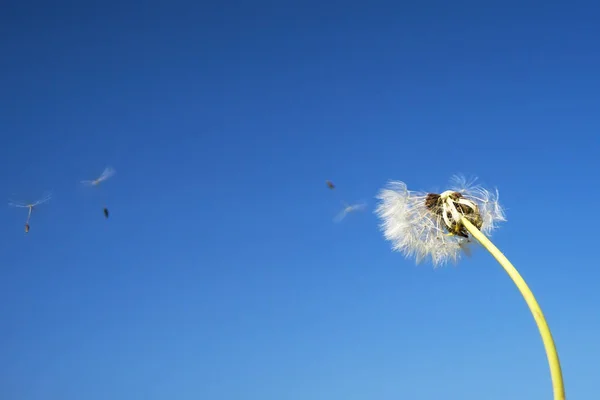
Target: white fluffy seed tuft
[{"x": 417, "y": 232}]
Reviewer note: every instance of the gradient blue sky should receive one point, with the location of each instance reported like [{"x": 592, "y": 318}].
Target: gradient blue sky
[{"x": 220, "y": 274}]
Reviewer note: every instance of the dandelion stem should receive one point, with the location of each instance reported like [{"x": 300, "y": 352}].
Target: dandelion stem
[{"x": 534, "y": 307}]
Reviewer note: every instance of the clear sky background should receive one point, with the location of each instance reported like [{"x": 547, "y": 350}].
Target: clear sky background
[{"x": 220, "y": 274}]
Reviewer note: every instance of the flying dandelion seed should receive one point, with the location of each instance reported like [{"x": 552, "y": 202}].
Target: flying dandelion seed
[
  {"x": 440, "y": 226},
  {"x": 31, "y": 207},
  {"x": 106, "y": 174},
  {"x": 349, "y": 208}
]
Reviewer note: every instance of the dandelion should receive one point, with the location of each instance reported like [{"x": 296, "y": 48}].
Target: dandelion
[
  {"x": 422, "y": 225},
  {"x": 440, "y": 227},
  {"x": 349, "y": 208},
  {"x": 30, "y": 206},
  {"x": 107, "y": 173}
]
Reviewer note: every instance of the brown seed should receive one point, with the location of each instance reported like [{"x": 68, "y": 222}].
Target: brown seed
[{"x": 431, "y": 200}]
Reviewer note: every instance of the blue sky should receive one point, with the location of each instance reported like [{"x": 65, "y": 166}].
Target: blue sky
[{"x": 220, "y": 274}]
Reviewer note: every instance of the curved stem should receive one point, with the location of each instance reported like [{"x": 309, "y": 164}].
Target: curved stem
[{"x": 534, "y": 307}]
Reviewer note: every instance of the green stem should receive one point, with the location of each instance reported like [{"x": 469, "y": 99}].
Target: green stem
[{"x": 534, "y": 307}]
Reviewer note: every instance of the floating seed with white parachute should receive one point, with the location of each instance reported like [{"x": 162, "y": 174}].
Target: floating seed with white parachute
[
  {"x": 349, "y": 208},
  {"x": 106, "y": 174},
  {"x": 31, "y": 206}
]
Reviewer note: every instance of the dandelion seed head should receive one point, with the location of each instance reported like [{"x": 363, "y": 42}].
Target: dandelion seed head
[{"x": 428, "y": 225}]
